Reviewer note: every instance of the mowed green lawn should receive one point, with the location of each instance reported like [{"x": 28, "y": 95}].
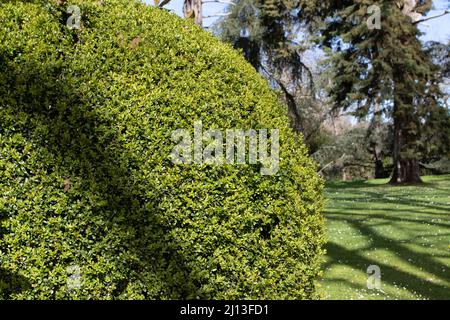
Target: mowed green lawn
[{"x": 404, "y": 230}]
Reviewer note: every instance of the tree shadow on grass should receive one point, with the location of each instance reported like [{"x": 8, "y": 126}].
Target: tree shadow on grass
[
  {"x": 379, "y": 197},
  {"x": 389, "y": 273},
  {"x": 345, "y": 185},
  {"x": 389, "y": 219},
  {"x": 355, "y": 217},
  {"x": 423, "y": 261}
]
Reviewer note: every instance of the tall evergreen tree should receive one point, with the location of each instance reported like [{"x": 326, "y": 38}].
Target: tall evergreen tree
[
  {"x": 242, "y": 28},
  {"x": 270, "y": 42},
  {"x": 381, "y": 70},
  {"x": 385, "y": 66}
]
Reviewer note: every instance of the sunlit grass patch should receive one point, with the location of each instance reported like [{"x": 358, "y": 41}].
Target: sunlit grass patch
[{"x": 405, "y": 230}]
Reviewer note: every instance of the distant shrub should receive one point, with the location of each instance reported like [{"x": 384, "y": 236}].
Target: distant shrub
[
  {"x": 440, "y": 166},
  {"x": 91, "y": 205}
]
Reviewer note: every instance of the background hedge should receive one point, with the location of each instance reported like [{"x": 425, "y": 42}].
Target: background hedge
[{"x": 85, "y": 173}]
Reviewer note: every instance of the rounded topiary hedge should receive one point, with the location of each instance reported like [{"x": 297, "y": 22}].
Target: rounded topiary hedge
[{"x": 91, "y": 205}]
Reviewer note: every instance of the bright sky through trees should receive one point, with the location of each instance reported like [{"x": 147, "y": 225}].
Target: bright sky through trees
[{"x": 436, "y": 29}]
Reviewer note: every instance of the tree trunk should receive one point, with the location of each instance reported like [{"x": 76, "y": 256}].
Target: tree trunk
[
  {"x": 293, "y": 113},
  {"x": 406, "y": 168},
  {"x": 377, "y": 148},
  {"x": 193, "y": 9},
  {"x": 406, "y": 171},
  {"x": 379, "y": 168},
  {"x": 344, "y": 175}
]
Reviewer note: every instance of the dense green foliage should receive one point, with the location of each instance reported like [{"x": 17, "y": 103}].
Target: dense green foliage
[{"x": 86, "y": 180}]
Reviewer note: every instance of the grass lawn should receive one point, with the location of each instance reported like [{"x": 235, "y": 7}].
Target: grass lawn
[{"x": 404, "y": 230}]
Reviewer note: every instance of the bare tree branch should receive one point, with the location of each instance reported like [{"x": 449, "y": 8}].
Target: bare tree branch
[
  {"x": 220, "y": 1},
  {"x": 433, "y": 17},
  {"x": 220, "y": 14},
  {"x": 329, "y": 164}
]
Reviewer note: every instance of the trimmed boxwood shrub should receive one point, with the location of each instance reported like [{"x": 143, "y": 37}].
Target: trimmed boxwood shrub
[{"x": 91, "y": 205}]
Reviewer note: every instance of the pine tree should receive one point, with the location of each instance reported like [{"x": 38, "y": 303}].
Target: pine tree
[
  {"x": 385, "y": 66},
  {"x": 266, "y": 32},
  {"x": 380, "y": 70},
  {"x": 242, "y": 28}
]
